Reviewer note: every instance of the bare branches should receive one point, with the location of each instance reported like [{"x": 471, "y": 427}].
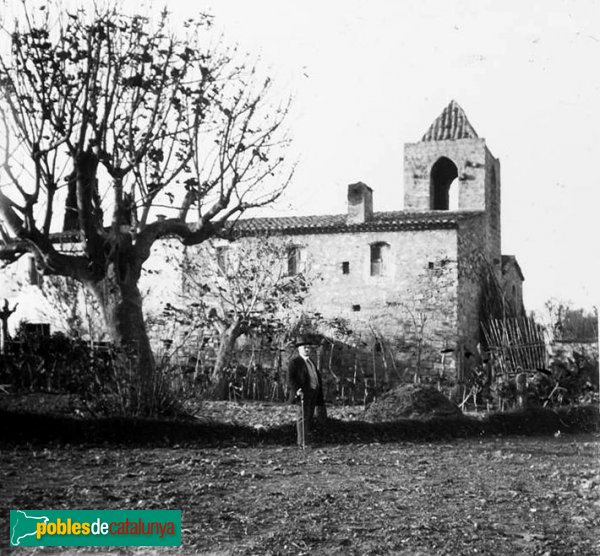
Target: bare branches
[
  {"x": 168, "y": 119},
  {"x": 173, "y": 228},
  {"x": 244, "y": 281},
  {"x": 11, "y": 220}
]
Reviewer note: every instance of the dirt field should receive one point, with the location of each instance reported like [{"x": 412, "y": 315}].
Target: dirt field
[{"x": 499, "y": 496}]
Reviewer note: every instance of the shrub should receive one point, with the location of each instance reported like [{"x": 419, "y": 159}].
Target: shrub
[
  {"x": 56, "y": 363},
  {"x": 102, "y": 377},
  {"x": 119, "y": 391}
]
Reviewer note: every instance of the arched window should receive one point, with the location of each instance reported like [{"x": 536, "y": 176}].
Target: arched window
[
  {"x": 379, "y": 258},
  {"x": 444, "y": 174},
  {"x": 222, "y": 257},
  {"x": 296, "y": 256},
  {"x": 35, "y": 278}
]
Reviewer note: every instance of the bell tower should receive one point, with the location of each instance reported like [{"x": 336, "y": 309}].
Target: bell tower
[{"x": 451, "y": 169}]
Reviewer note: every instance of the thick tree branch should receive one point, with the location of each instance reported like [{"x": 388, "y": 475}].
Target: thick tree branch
[{"x": 174, "y": 227}]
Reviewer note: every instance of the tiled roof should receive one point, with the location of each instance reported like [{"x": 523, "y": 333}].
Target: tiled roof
[
  {"x": 511, "y": 259},
  {"x": 450, "y": 125},
  {"x": 336, "y": 223},
  {"x": 318, "y": 224}
]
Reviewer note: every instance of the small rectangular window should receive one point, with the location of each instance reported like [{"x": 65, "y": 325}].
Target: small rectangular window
[
  {"x": 356, "y": 308},
  {"x": 431, "y": 265},
  {"x": 345, "y": 267}
]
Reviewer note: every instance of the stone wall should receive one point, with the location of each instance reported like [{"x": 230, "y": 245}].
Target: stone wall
[
  {"x": 414, "y": 302},
  {"x": 513, "y": 287},
  {"x": 471, "y": 250},
  {"x": 493, "y": 209},
  {"x": 413, "y": 306}
]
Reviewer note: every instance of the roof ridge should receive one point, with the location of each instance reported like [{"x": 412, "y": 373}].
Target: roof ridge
[{"x": 417, "y": 213}]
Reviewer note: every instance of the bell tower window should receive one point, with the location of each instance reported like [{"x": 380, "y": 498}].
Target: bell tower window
[{"x": 444, "y": 174}]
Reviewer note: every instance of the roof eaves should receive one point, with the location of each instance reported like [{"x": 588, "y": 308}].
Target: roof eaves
[{"x": 373, "y": 226}]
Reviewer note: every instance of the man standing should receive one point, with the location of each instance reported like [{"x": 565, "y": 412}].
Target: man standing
[{"x": 304, "y": 378}]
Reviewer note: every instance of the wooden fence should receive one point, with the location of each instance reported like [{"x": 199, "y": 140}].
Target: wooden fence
[{"x": 516, "y": 344}]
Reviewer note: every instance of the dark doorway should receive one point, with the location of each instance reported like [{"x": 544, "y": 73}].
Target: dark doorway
[{"x": 443, "y": 173}]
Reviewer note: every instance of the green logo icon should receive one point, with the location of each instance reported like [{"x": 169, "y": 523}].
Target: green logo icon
[{"x": 95, "y": 527}]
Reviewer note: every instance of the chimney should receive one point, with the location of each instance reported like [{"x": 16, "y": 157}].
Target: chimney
[{"x": 360, "y": 203}]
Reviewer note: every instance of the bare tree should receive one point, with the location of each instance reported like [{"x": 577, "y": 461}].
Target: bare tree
[
  {"x": 113, "y": 118},
  {"x": 566, "y": 322},
  {"x": 241, "y": 288}
]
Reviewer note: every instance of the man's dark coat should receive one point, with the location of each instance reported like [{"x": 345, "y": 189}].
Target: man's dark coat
[{"x": 299, "y": 377}]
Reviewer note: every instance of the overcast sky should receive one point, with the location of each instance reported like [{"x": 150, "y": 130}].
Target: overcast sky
[{"x": 371, "y": 76}]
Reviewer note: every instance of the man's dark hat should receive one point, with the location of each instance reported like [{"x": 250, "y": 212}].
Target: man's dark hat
[{"x": 305, "y": 340}]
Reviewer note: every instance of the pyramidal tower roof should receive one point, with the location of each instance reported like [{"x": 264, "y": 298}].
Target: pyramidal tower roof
[{"x": 450, "y": 125}]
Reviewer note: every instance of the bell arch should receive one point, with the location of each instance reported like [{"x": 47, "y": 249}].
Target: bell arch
[{"x": 444, "y": 175}]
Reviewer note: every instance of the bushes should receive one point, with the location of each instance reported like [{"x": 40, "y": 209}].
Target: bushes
[
  {"x": 120, "y": 392},
  {"x": 101, "y": 377},
  {"x": 56, "y": 363}
]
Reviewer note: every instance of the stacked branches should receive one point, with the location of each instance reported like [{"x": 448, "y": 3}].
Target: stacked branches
[{"x": 515, "y": 341}]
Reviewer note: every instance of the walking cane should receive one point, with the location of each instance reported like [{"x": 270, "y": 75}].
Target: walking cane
[{"x": 300, "y": 428}]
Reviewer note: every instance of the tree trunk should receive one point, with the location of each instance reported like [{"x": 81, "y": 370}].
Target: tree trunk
[
  {"x": 219, "y": 379},
  {"x": 121, "y": 304}
]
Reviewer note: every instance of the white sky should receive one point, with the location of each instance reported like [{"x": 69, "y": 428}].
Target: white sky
[{"x": 369, "y": 76}]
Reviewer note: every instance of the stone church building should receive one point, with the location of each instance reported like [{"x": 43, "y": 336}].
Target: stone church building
[{"x": 412, "y": 276}]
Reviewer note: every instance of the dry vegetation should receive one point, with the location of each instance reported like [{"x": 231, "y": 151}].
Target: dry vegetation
[
  {"x": 496, "y": 495},
  {"x": 493, "y": 496}
]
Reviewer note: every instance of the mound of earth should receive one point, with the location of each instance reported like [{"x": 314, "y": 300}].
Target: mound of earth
[{"x": 411, "y": 401}]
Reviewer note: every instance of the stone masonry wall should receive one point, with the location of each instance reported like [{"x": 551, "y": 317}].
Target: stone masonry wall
[
  {"x": 513, "y": 286},
  {"x": 493, "y": 210},
  {"x": 471, "y": 250},
  {"x": 413, "y": 304}
]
